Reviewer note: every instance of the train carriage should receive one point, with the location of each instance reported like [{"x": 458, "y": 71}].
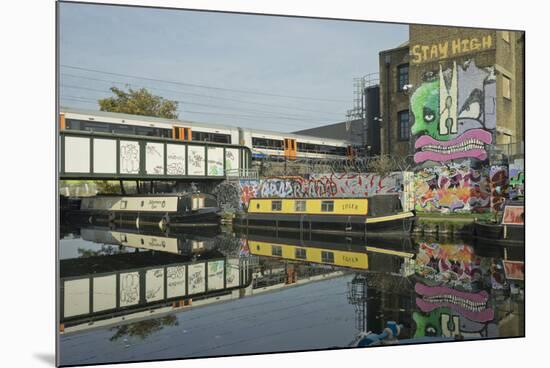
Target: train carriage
[{"x": 262, "y": 143}]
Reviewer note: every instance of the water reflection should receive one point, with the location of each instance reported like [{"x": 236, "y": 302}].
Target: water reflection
[{"x": 158, "y": 294}]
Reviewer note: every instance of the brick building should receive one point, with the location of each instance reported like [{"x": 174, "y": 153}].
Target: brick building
[{"x": 492, "y": 59}]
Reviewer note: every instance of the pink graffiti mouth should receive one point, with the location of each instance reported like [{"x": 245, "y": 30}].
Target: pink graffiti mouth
[
  {"x": 469, "y": 144},
  {"x": 471, "y": 305}
]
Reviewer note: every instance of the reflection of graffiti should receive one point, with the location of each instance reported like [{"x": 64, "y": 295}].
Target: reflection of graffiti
[
  {"x": 129, "y": 157},
  {"x": 196, "y": 280},
  {"x": 498, "y": 178},
  {"x": 514, "y": 270},
  {"x": 470, "y": 305},
  {"x": 443, "y": 322},
  {"x": 175, "y": 276},
  {"x": 129, "y": 288},
  {"x": 451, "y": 188},
  {"x": 450, "y": 264},
  {"x": 454, "y": 114}
]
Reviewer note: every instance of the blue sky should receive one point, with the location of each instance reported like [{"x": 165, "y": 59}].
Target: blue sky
[{"x": 309, "y": 61}]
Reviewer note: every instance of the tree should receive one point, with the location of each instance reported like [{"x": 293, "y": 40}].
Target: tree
[{"x": 139, "y": 102}]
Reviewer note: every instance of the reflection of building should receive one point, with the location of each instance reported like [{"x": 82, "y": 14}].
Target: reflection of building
[{"x": 423, "y": 93}]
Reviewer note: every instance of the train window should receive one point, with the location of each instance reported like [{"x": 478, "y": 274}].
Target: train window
[
  {"x": 327, "y": 257},
  {"x": 221, "y": 138},
  {"x": 72, "y": 124},
  {"x": 276, "y": 205},
  {"x": 267, "y": 143},
  {"x": 141, "y": 130},
  {"x": 94, "y": 127},
  {"x": 300, "y": 253},
  {"x": 276, "y": 251},
  {"x": 327, "y": 206},
  {"x": 122, "y": 129}
]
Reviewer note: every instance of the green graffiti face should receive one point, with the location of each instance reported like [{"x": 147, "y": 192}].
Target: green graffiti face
[
  {"x": 427, "y": 325},
  {"x": 426, "y": 112}
]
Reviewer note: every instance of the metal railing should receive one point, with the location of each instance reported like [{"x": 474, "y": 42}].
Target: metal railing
[{"x": 250, "y": 174}]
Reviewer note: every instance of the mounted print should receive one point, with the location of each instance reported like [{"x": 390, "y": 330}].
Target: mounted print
[{"x": 239, "y": 184}]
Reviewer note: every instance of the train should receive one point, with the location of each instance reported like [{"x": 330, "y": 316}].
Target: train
[{"x": 262, "y": 143}]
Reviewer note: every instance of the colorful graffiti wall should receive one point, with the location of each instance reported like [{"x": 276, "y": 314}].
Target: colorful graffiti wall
[
  {"x": 516, "y": 180},
  {"x": 331, "y": 185},
  {"x": 454, "y": 113},
  {"x": 454, "y": 187},
  {"x": 320, "y": 185}
]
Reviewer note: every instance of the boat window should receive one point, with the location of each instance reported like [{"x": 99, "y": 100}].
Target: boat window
[
  {"x": 276, "y": 205},
  {"x": 300, "y": 253},
  {"x": 276, "y": 251},
  {"x": 327, "y": 257},
  {"x": 327, "y": 206},
  {"x": 300, "y": 206}
]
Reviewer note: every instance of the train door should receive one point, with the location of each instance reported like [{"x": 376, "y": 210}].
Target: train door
[
  {"x": 181, "y": 133},
  {"x": 290, "y": 148}
]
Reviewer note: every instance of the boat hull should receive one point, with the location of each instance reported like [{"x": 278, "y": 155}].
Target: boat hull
[{"x": 400, "y": 223}]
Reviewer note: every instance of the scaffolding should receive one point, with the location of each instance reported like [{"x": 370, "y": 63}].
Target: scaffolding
[{"x": 358, "y": 112}]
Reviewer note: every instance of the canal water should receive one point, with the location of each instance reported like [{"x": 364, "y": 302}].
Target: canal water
[{"x": 133, "y": 296}]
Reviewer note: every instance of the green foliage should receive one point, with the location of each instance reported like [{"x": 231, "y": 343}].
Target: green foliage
[{"x": 139, "y": 102}]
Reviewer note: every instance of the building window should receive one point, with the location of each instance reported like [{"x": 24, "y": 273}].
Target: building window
[
  {"x": 276, "y": 251},
  {"x": 403, "y": 128},
  {"x": 506, "y": 87},
  {"x": 327, "y": 257},
  {"x": 300, "y": 253},
  {"x": 506, "y": 36},
  {"x": 402, "y": 76},
  {"x": 276, "y": 206},
  {"x": 327, "y": 206},
  {"x": 300, "y": 206}
]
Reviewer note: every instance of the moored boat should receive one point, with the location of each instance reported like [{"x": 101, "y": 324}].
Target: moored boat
[
  {"x": 349, "y": 216},
  {"x": 162, "y": 210}
]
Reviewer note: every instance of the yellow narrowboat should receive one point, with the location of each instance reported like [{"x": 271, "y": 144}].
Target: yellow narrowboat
[{"x": 349, "y": 216}]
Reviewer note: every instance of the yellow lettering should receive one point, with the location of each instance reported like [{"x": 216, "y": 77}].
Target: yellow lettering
[
  {"x": 443, "y": 50},
  {"x": 416, "y": 54},
  {"x": 486, "y": 42},
  {"x": 475, "y": 44},
  {"x": 425, "y": 50},
  {"x": 433, "y": 52},
  {"x": 456, "y": 46},
  {"x": 465, "y": 44}
]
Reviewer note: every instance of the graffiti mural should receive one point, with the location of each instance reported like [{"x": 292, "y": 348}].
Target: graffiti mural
[
  {"x": 454, "y": 113},
  {"x": 331, "y": 185},
  {"x": 516, "y": 183},
  {"x": 498, "y": 177},
  {"x": 454, "y": 187}
]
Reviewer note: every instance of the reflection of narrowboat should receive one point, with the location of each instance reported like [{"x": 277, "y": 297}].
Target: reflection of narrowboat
[
  {"x": 195, "y": 241},
  {"x": 375, "y": 254},
  {"x": 510, "y": 230},
  {"x": 165, "y": 210},
  {"x": 350, "y": 216}
]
